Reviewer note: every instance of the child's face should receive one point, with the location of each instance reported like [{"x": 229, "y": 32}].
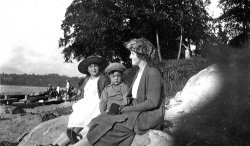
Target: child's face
[{"x": 116, "y": 77}]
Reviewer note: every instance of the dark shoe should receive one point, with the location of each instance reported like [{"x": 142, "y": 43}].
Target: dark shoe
[{"x": 72, "y": 136}]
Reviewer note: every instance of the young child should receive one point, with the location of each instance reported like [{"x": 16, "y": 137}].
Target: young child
[{"x": 115, "y": 93}]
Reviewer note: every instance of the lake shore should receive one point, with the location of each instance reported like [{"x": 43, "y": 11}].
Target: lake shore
[
  {"x": 14, "y": 126},
  {"x": 20, "y": 90}
]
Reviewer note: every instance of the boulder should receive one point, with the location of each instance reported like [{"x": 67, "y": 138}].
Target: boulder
[
  {"x": 213, "y": 107},
  {"x": 200, "y": 89},
  {"x": 153, "y": 138},
  {"x": 47, "y": 132}
]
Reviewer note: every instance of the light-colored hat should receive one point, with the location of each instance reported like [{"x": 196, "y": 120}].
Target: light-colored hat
[
  {"x": 115, "y": 67},
  {"x": 83, "y": 66},
  {"x": 141, "y": 46}
]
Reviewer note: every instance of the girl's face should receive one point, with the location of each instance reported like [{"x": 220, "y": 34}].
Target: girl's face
[
  {"x": 116, "y": 77},
  {"x": 134, "y": 58},
  {"x": 93, "y": 69}
]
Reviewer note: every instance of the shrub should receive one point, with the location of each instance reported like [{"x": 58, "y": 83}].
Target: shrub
[{"x": 175, "y": 72}]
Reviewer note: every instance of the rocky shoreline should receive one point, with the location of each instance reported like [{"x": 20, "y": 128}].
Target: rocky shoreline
[{"x": 14, "y": 126}]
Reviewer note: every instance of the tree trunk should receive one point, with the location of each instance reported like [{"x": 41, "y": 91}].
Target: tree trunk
[
  {"x": 179, "y": 53},
  {"x": 158, "y": 46},
  {"x": 157, "y": 40},
  {"x": 180, "y": 45},
  {"x": 245, "y": 22}
]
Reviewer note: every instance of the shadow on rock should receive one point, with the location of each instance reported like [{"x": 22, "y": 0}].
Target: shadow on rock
[{"x": 225, "y": 119}]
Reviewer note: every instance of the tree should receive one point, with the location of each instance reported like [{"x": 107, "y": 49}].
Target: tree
[
  {"x": 222, "y": 35},
  {"x": 236, "y": 16},
  {"x": 102, "y": 26}
]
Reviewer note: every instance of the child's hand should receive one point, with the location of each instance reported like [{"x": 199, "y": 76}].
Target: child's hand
[{"x": 125, "y": 101}]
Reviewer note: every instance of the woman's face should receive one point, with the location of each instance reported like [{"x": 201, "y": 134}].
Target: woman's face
[
  {"x": 93, "y": 69},
  {"x": 134, "y": 58}
]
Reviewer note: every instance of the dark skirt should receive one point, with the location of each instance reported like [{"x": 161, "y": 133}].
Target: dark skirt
[
  {"x": 109, "y": 130},
  {"x": 119, "y": 135}
]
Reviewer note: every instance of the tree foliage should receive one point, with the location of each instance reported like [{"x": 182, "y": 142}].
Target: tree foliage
[
  {"x": 236, "y": 17},
  {"x": 102, "y": 26},
  {"x": 37, "y": 80}
]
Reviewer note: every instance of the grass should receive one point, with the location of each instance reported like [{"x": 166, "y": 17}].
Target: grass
[{"x": 175, "y": 72}]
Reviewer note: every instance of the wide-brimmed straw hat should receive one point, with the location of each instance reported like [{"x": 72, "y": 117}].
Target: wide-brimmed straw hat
[
  {"x": 115, "y": 67},
  {"x": 83, "y": 66}
]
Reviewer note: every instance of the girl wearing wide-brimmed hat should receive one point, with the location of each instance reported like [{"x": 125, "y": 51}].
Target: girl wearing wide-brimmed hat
[
  {"x": 88, "y": 106},
  {"x": 147, "y": 94}
]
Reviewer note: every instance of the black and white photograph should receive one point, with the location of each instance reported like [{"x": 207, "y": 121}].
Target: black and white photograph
[{"x": 124, "y": 72}]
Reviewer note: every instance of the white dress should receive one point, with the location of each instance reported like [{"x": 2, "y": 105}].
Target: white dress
[{"x": 86, "y": 108}]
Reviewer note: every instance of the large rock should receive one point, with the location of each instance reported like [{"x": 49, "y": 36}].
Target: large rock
[
  {"x": 47, "y": 132},
  {"x": 213, "y": 108},
  {"x": 200, "y": 89}
]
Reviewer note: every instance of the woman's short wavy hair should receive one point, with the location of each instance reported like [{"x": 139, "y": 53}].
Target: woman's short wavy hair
[{"x": 143, "y": 47}]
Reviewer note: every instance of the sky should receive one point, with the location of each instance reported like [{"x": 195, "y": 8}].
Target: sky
[{"x": 29, "y": 34}]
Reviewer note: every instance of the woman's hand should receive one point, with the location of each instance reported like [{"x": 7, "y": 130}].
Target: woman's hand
[{"x": 124, "y": 109}]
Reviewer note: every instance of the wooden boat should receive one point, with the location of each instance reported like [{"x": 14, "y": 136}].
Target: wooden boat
[
  {"x": 21, "y": 106},
  {"x": 8, "y": 101},
  {"x": 33, "y": 99}
]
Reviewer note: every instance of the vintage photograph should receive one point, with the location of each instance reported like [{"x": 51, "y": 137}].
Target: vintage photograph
[{"x": 124, "y": 72}]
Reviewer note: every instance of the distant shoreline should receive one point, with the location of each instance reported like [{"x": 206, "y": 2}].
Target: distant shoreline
[
  {"x": 21, "y": 85},
  {"x": 37, "y": 80},
  {"x": 20, "y": 90}
]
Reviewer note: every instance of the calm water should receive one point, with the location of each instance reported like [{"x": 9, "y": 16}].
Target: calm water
[{"x": 9, "y": 89}]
